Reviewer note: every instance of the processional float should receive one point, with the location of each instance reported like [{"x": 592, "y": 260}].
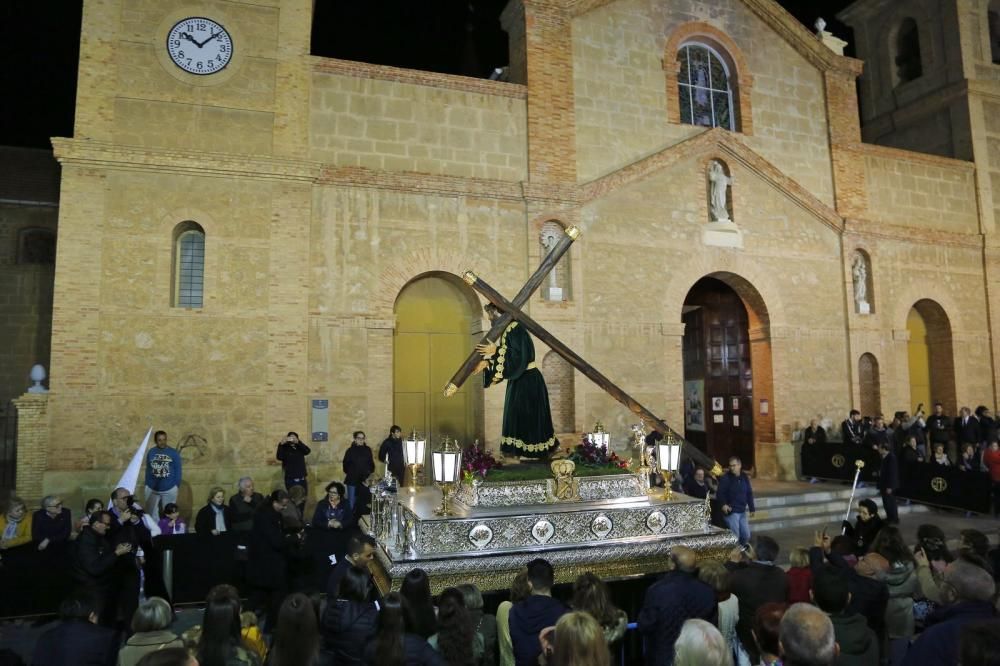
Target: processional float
[{"x": 612, "y": 525}]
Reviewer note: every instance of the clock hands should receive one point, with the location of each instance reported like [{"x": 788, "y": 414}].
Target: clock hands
[
  {"x": 214, "y": 35},
  {"x": 191, "y": 39}
]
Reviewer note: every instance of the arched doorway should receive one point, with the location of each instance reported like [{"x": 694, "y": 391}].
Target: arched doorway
[
  {"x": 727, "y": 368},
  {"x": 930, "y": 357},
  {"x": 871, "y": 388},
  {"x": 438, "y": 320}
]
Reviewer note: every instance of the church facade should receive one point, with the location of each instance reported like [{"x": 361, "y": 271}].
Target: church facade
[{"x": 254, "y": 240}]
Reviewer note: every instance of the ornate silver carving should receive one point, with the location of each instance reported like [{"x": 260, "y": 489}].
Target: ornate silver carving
[
  {"x": 655, "y": 521},
  {"x": 601, "y": 526},
  {"x": 480, "y": 536},
  {"x": 522, "y": 493},
  {"x": 543, "y": 531}
]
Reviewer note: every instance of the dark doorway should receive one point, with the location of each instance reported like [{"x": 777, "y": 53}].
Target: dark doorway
[{"x": 717, "y": 372}]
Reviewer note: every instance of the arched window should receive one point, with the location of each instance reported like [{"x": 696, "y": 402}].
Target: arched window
[
  {"x": 706, "y": 96},
  {"x": 908, "y": 65},
  {"x": 189, "y": 265}
]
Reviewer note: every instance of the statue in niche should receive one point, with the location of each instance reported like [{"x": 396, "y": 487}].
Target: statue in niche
[
  {"x": 859, "y": 271},
  {"x": 720, "y": 185},
  {"x": 549, "y": 238}
]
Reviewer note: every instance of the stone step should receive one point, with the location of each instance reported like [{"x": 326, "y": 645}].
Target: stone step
[
  {"x": 821, "y": 518},
  {"x": 813, "y": 497}
]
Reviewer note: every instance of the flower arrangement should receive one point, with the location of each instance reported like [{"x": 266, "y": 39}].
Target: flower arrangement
[
  {"x": 589, "y": 454},
  {"x": 477, "y": 462}
]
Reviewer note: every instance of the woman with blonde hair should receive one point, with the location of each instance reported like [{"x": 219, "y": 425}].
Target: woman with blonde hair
[
  {"x": 576, "y": 640},
  {"x": 701, "y": 644},
  {"x": 150, "y": 623},
  {"x": 590, "y": 595}
]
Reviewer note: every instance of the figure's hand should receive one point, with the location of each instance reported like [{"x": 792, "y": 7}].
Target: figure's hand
[
  {"x": 482, "y": 365},
  {"x": 736, "y": 555},
  {"x": 487, "y": 349},
  {"x": 215, "y": 532},
  {"x": 334, "y": 524},
  {"x": 726, "y": 509},
  {"x": 43, "y": 544},
  {"x": 123, "y": 548},
  {"x": 921, "y": 557}
]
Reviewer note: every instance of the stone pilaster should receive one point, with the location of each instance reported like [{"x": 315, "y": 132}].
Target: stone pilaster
[{"x": 32, "y": 443}]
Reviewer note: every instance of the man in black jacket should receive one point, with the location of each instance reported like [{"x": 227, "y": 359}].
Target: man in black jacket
[
  {"x": 95, "y": 561},
  {"x": 888, "y": 482},
  {"x": 852, "y": 429},
  {"x": 391, "y": 453},
  {"x": 529, "y": 616},
  {"x": 358, "y": 466},
  {"x": 677, "y": 597},
  {"x": 77, "y": 639},
  {"x": 756, "y": 583},
  {"x": 292, "y": 453},
  {"x": 858, "y": 643},
  {"x": 267, "y": 564}
]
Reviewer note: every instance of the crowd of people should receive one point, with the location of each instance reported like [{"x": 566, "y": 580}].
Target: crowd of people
[
  {"x": 967, "y": 442},
  {"x": 864, "y": 597}
]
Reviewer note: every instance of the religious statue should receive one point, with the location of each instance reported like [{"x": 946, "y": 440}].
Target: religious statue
[
  {"x": 548, "y": 242},
  {"x": 859, "y": 270},
  {"x": 720, "y": 184},
  {"x": 527, "y": 420}
]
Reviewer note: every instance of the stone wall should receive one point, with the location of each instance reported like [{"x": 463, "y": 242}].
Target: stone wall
[
  {"x": 921, "y": 191},
  {"x": 398, "y": 120}
]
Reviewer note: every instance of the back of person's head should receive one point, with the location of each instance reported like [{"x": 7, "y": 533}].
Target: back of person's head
[
  {"x": 355, "y": 585},
  {"x": 391, "y": 627},
  {"x": 590, "y": 595},
  {"x": 766, "y": 623},
  {"x": 473, "y": 597},
  {"x": 714, "y": 573},
  {"x": 842, "y": 545},
  {"x": 684, "y": 559},
  {"x": 92, "y": 505},
  {"x": 357, "y": 542},
  {"x": 978, "y": 644},
  {"x": 889, "y": 544},
  {"x": 80, "y": 606},
  {"x": 806, "y": 637},
  {"x": 416, "y": 588},
  {"x": 932, "y": 540},
  {"x": 799, "y": 557},
  {"x": 220, "y": 627},
  {"x": 541, "y": 576},
  {"x": 276, "y": 496},
  {"x": 964, "y": 581},
  {"x": 767, "y": 549},
  {"x": 579, "y": 641},
  {"x": 701, "y": 644},
  {"x": 168, "y": 657},
  {"x": 519, "y": 588},
  {"x": 976, "y": 541},
  {"x": 829, "y": 591},
  {"x": 153, "y": 614},
  {"x": 297, "y": 494},
  {"x": 455, "y": 631},
  {"x": 296, "y": 636}
]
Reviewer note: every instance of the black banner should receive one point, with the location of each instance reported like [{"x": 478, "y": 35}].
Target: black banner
[
  {"x": 945, "y": 486},
  {"x": 921, "y": 482},
  {"x": 836, "y": 461}
]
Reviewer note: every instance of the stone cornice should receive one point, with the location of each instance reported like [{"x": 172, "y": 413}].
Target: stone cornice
[
  {"x": 783, "y": 23},
  {"x": 706, "y": 143},
  {"x": 364, "y": 70},
  {"x": 886, "y": 152},
  {"x": 88, "y": 152},
  {"x": 421, "y": 183},
  {"x": 863, "y": 228}
]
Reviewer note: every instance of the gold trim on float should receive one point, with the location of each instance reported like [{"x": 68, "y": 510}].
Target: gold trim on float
[
  {"x": 470, "y": 277},
  {"x": 573, "y": 232},
  {"x": 450, "y": 390}
]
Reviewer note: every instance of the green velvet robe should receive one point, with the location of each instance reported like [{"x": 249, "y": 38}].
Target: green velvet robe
[{"x": 527, "y": 421}]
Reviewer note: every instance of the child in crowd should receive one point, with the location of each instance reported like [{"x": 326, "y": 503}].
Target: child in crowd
[
  {"x": 171, "y": 522},
  {"x": 799, "y": 577}
]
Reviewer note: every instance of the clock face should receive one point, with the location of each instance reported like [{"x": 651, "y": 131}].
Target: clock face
[{"x": 199, "y": 45}]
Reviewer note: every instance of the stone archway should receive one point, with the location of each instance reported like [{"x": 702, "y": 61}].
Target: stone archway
[
  {"x": 870, "y": 384},
  {"x": 727, "y": 367},
  {"x": 930, "y": 356}
]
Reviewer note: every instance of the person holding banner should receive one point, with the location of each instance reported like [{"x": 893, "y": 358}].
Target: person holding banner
[{"x": 888, "y": 482}]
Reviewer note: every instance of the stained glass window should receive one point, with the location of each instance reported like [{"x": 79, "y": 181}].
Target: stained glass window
[
  {"x": 189, "y": 269},
  {"x": 703, "y": 86}
]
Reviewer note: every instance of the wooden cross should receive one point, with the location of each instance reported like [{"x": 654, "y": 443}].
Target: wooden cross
[{"x": 512, "y": 310}]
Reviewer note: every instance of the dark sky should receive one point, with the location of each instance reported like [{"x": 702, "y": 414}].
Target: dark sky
[{"x": 40, "y": 46}]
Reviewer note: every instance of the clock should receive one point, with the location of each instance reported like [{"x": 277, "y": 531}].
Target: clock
[{"x": 199, "y": 45}]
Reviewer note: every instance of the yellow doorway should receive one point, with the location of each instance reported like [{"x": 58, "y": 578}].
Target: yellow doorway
[
  {"x": 919, "y": 357},
  {"x": 438, "y": 321}
]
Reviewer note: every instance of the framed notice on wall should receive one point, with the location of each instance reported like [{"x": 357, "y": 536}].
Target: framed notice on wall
[
  {"x": 765, "y": 407},
  {"x": 718, "y": 404},
  {"x": 694, "y": 405}
]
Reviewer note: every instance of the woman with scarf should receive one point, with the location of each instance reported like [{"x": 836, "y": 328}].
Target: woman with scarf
[
  {"x": 214, "y": 518},
  {"x": 335, "y": 512}
]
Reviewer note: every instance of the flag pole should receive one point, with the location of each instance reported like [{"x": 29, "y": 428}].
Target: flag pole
[{"x": 858, "y": 464}]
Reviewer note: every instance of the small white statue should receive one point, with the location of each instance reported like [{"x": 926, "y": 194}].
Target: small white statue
[
  {"x": 37, "y": 376},
  {"x": 720, "y": 182},
  {"x": 859, "y": 270}
]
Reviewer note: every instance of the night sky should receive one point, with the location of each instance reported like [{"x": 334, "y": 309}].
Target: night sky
[{"x": 40, "y": 46}]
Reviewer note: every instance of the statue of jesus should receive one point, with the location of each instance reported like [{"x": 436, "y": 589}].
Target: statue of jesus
[{"x": 527, "y": 420}]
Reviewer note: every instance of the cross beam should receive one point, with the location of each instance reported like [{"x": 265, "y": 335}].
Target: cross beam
[
  {"x": 588, "y": 370},
  {"x": 504, "y": 320}
]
